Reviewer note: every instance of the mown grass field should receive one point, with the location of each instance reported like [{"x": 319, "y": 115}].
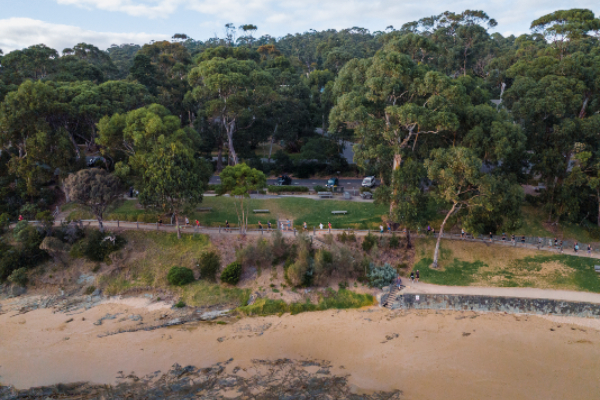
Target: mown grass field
[
  {"x": 481, "y": 264},
  {"x": 360, "y": 215}
]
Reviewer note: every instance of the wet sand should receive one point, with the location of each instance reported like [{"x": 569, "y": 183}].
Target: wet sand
[{"x": 427, "y": 355}]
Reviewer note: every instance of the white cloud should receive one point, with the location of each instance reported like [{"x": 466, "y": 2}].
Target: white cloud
[
  {"x": 139, "y": 8},
  {"x": 18, "y": 33}
]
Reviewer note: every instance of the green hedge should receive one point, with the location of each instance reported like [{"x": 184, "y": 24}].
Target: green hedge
[
  {"x": 179, "y": 276},
  {"x": 282, "y": 189}
]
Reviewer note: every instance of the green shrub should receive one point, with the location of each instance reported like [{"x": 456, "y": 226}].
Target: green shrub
[
  {"x": 132, "y": 218},
  {"x": 342, "y": 237},
  {"x": 97, "y": 245},
  {"x": 352, "y": 237},
  {"x": 210, "y": 263},
  {"x": 213, "y": 187},
  {"x": 381, "y": 276},
  {"x": 319, "y": 188},
  {"x": 19, "y": 277},
  {"x": 232, "y": 273},
  {"x": 368, "y": 242},
  {"x": 287, "y": 189},
  {"x": 19, "y": 226},
  {"x": 4, "y": 222},
  {"x": 179, "y": 276},
  {"x": 180, "y": 304},
  {"x": 89, "y": 290},
  {"x": 394, "y": 241}
]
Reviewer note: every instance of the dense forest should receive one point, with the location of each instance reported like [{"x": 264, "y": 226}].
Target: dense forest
[{"x": 448, "y": 115}]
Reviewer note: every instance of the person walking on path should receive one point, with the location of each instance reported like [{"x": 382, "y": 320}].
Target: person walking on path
[
  {"x": 589, "y": 250},
  {"x": 269, "y": 225},
  {"x": 259, "y": 226},
  {"x": 20, "y": 217},
  {"x": 305, "y": 226},
  {"x": 329, "y": 225},
  {"x": 187, "y": 221},
  {"x": 575, "y": 247},
  {"x": 321, "y": 226},
  {"x": 428, "y": 230},
  {"x": 381, "y": 229},
  {"x": 491, "y": 236},
  {"x": 462, "y": 233},
  {"x": 197, "y": 224},
  {"x": 412, "y": 277},
  {"x": 389, "y": 226},
  {"x": 417, "y": 276},
  {"x": 226, "y": 226}
]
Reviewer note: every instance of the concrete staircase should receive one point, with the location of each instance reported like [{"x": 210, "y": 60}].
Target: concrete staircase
[{"x": 394, "y": 291}]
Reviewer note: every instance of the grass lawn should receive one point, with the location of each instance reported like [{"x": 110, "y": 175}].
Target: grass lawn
[
  {"x": 360, "y": 215},
  {"x": 481, "y": 264}
]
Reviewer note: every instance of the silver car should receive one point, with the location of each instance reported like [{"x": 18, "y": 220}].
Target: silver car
[{"x": 369, "y": 182}]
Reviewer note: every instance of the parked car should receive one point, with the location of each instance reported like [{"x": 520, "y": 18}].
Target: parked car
[
  {"x": 333, "y": 182},
  {"x": 369, "y": 181},
  {"x": 284, "y": 180}
]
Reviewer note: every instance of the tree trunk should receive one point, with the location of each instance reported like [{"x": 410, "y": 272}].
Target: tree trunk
[
  {"x": 178, "y": 227},
  {"x": 77, "y": 153},
  {"x": 437, "y": 244},
  {"x": 220, "y": 157},
  {"x": 230, "y": 127},
  {"x": 395, "y": 166},
  {"x": 100, "y": 224},
  {"x": 272, "y": 139}
]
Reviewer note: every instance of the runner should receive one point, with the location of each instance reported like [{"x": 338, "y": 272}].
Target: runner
[
  {"x": 259, "y": 226},
  {"x": 329, "y": 224},
  {"x": 412, "y": 277},
  {"x": 269, "y": 224},
  {"x": 417, "y": 276},
  {"x": 226, "y": 226}
]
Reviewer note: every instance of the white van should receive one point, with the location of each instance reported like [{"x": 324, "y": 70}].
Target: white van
[{"x": 369, "y": 182}]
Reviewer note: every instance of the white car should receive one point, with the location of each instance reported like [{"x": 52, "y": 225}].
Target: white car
[{"x": 369, "y": 182}]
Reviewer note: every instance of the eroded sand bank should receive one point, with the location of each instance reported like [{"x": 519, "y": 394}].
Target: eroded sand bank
[{"x": 426, "y": 355}]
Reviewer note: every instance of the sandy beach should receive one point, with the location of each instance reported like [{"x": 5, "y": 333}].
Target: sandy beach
[{"x": 426, "y": 355}]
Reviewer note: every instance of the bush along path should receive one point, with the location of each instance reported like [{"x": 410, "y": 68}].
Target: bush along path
[{"x": 545, "y": 244}]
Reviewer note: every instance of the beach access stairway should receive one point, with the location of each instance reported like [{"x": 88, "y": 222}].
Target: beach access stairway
[{"x": 391, "y": 298}]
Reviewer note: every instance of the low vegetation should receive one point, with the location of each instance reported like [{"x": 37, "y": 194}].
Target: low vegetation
[{"x": 481, "y": 264}]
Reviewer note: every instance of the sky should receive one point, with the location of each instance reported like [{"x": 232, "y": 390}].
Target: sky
[{"x": 63, "y": 23}]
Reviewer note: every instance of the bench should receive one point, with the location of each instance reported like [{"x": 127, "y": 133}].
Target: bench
[
  {"x": 204, "y": 209},
  {"x": 260, "y": 211},
  {"x": 325, "y": 194},
  {"x": 597, "y": 268},
  {"x": 339, "y": 212}
]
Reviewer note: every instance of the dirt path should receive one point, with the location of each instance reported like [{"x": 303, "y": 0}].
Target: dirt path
[
  {"x": 532, "y": 293},
  {"x": 212, "y": 231}
]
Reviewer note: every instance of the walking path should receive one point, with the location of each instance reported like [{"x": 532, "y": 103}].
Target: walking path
[{"x": 532, "y": 293}]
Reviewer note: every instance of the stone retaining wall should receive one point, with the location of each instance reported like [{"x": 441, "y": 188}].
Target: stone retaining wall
[{"x": 496, "y": 304}]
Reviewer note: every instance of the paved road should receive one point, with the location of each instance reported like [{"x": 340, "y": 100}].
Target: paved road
[
  {"x": 347, "y": 183},
  {"x": 532, "y": 293}
]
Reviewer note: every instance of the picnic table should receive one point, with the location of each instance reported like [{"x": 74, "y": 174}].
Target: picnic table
[
  {"x": 261, "y": 211},
  {"x": 597, "y": 268},
  {"x": 204, "y": 209},
  {"x": 339, "y": 212},
  {"x": 325, "y": 194},
  {"x": 366, "y": 195}
]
